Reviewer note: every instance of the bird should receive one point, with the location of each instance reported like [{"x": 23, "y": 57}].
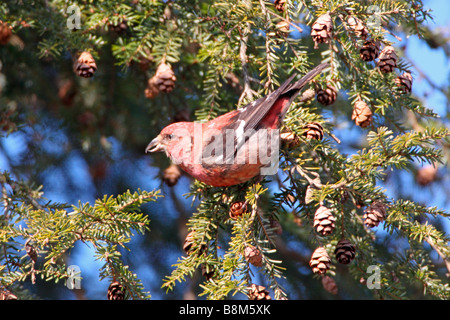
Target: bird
[{"x": 234, "y": 147}]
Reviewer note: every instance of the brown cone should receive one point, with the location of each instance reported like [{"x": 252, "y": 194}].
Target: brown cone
[
  {"x": 357, "y": 27},
  {"x": 320, "y": 261},
  {"x": 369, "y": 50},
  {"x": 327, "y": 96},
  {"x": 85, "y": 65},
  {"x": 280, "y": 5},
  {"x": 5, "y": 33},
  {"x": 324, "y": 221},
  {"x": 345, "y": 251},
  {"x": 329, "y": 285},
  {"x": 314, "y": 131},
  {"x": 257, "y": 292},
  {"x": 321, "y": 29},
  {"x": 237, "y": 209},
  {"x": 171, "y": 175},
  {"x": 404, "y": 81},
  {"x": 253, "y": 256},
  {"x": 374, "y": 214},
  {"x": 289, "y": 139},
  {"x": 362, "y": 114},
  {"x": 426, "y": 175},
  {"x": 387, "y": 60},
  {"x": 116, "y": 291},
  {"x": 165, "y": 78}
]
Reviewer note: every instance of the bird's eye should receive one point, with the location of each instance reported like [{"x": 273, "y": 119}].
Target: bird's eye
[{"x": 170, "y": 136}]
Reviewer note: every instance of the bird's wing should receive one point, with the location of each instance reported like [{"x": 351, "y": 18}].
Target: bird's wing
[{"x": 245, "y": 121}]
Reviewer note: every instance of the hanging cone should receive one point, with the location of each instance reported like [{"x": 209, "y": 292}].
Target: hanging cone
[
  {"x": 5, "y": 294},
  {"x": 31, "y": 252},
  {"x": 280, "y": 5},
  {"x": 119, "y": 27},
  {"x": 237, "y": 209},
  {"x": 315, "y": 131},
  {"x": 289, "y": 140},
  {"x": 116, "y": 291},
  {"x": 165, "y": 78},
  {"x": 321, "y": 29},
  {"x": 5, "y": 33},
  {"x": 189, "y": 246},
  {"x": 374, "y": 214},
  {"x": 362, "y": 114},
  {"x": 85, "y": 65},
  {"x": 152, "y": 88},
  {"x": 357, "y": 27},
  {"x": 207, "y": 271},
  {"x": 320, "y": 261},
  {"x": 324, "y": 221},
  {"x": 345, "y": 251},
  {"x": 171, "y": 175},
  {"x": 283, "y": 28},
  {"x": 253, "y": 256},
  {"x": 327, "y": 96},
  {"x": 369, "y": 51},
  {"x": 405, "y": 81},
  {"x": 387, "y": 60},
  {"x": 257, "y": 292},
  {"x": 329, "y": 285},
  {"x": 426, "y": 175}
]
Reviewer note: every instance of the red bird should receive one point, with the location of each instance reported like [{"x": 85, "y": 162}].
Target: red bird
[{"x": 234, "y": 147}]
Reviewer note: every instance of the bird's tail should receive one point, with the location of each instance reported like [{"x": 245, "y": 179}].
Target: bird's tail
[{"x": 294, "y": 89}]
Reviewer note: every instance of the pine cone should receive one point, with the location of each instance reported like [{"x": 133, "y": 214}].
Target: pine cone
[
  {"x": 85, "y": 65},
  {"x": 329, "y": 285},
  {"x": 276, "y": 227},
  {"x": 327, "y": 96},
  {"x": 119, "y": 26},
  {"x": 320, "y": 261},
  {"x": 362, "y": 114},
  {"x": 374, "y": 214},
  {"x": 5, "y": 33},
  {"x": 165, "y": 78},
  {"x": 321, "y": 29},
  {"x": 116, "y": 291},
  {"x": 31, "y": 252},
  {"x": 289, "y": 139},
  {"x": 207, "y": 271},
  {"x": 358, "y": 27},
  {"x": 237, "y": 209},
  {"x": 404, "y": 81},
  {"x": 171, "y": 175},
  {"x": 189, "y": 245},
  {"x": 5, "y": 294},
  {"x": 253, "y": 256},
  {"x": 315, "y": 131},
  {"x": 345, "y": 251},
  {"x": 280, "y": 5},
  {"x": 152, "y": 88},
  {"x": 426, "y": 175},
  {"x": 324, "y": 221},
  {"x": 257, "y": 292},
  {"x": 369, "y": 50},
  {"x": 282, "y": 28},
  {"x": 387, "y": 60}
]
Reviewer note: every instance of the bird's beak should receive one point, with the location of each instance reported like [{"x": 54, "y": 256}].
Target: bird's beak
[{"x": 154, "y": 146}]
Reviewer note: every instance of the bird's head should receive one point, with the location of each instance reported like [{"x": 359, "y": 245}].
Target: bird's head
[{"x": 174, "y": 140}]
